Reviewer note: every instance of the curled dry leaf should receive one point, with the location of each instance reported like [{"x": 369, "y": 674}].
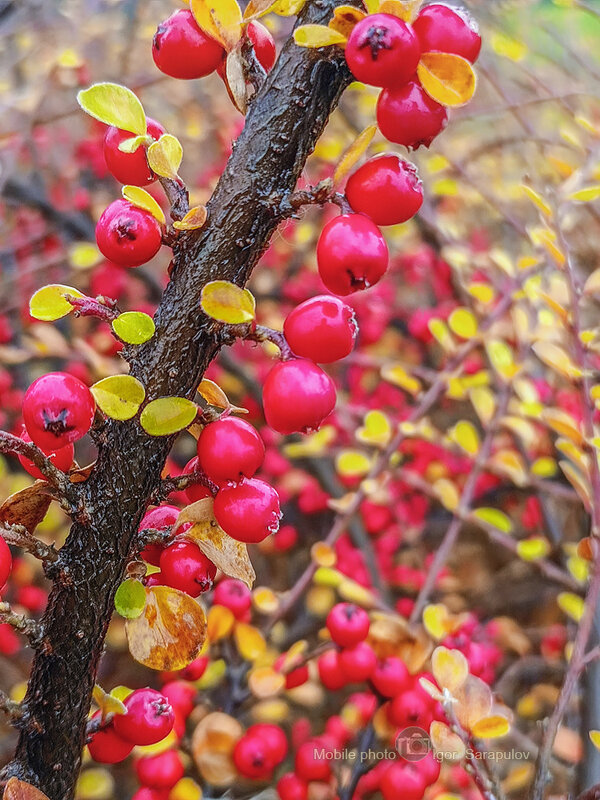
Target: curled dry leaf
[
  {"x": 193, "y": 220},
  {"x": 27, "y": 507},
  {"x": 221, "y": 19},
  {"x": 345, "y": 18},
  {"x": 213, "y": 741},
  {"x": 265, "y": 682},
  {"x": 445, "y": 742},
  {"x": 474, "y": 702},
  {"x": 170, "y": 632},
  {"x": 19, "y": 790},
  {"x": 236, "y": 80},
  {"x": 354, "y": 153},
  {"x": 229, "y": 555}
]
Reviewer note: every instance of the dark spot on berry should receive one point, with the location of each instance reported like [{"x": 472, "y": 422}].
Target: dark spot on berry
[
  {"x": 376, "y": 40},
  {"x": 125, "y": 230},
  {"x": 57, "y": 425}
]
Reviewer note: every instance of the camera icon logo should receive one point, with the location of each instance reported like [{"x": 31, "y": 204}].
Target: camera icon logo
[{"x": 413, "y": 744}]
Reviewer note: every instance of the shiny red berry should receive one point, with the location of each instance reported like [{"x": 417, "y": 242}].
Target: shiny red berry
[
  {"x": 129, "y": 168},
  {"x": 311, "y": 763},
  {"x": 291, "y": 787},
  {"x": 161, "y": 771},
  {"x": 410, "y": 708},
  {"x": 295, "y": 677},
  {"x": 62, "y": 458},
  {"x": 408, "y": 116},
  {"x": 128, "y": 235},
  {"x": 234, "y": 595},
  {"x": 330, "y": 670},
  {"x": 160, "y": 519},
  {"x": 181, "y": 695},
  {"x": 390, "y": 677},
  {"x": 5, "y": 562},
  {"x": 448, "y": 30},
  {"x": 146, "y": 793},
  {"x": 106, "y": 747},
  {"x": 358, "y": 663},
  {"x": 273, "y": 737},
  {"x": 148, "y": 720},
  {"x": 348, "y": 624},
  {"x": 252, "y": 758},
  {"x": 182, "y": 50},
  {"x": 58, "y": 409},
  {"x": 248, "y": 511},
  {"x": 264, "y": 44},
  {"x": 387, "y": 189},
  {"x": 196, "y": 491},
  {"x": 185, "y": 567},
  {"x": 402, "y": 779},
  {"x": 351, "y": 253},
  {"x": 382, "y": 50},
  {"x": 230, "y": 449},
  {"x": 322, "y": 329},
  {"x": 297, "y": 396}
]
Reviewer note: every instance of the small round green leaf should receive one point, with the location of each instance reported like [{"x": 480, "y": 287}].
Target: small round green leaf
[
  {"x": 134, "y": 327},
  {"x": 130, "y": 599},
  {"x": 168, "y": 415},
  {"x": 119, "y": 396}
]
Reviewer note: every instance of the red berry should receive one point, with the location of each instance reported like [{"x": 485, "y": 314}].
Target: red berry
[
  {"x": 230, "y": 449},
  {"x": 322, "y": 329},
  {"x": 264, "y": 44},
  {"x": 159, "y": 518},
  {"x": 358, "y": 662},
  {"x": 448, "y": 30},
  {"x": 58, "y": 409},
  {"x": 129, "y": 168},
  {"x": 234, "y": 595},
  {"x": 348, "y": 624},
  {"x": 62, "y": 458},
  {"x": 195, "y": 670},
  {"x": 196, "y": 491},
  {"x": 390, "y": 677},
  {"x": 181, "y": 695},
  {"x": 410, "y": 708},
  {"x": 295, "y": 677},
  {"x": 252, "y": 759},
  {"x": 146, "y": 793},
  {"x": 408, "y": 116},
  {"x": 148, "y": 720},
  {"x": 128, "y": 235},
  {"x": 185, "y": 567},
  {"x": 285, "y": 538},
  {"x": 161, "y": 771},
  {"x": 297, "y": 396},
  {"x": 273, "y": 737},
  {"x": 5, "y": 562},
  {"x": 106, "y": 747},
  {"x": 310, "y": 763},
  {"x": 248, "y": 511},
  {"x": 330, "y": 671},
  {"x": 182, "y": 50},
  {"x": 402, "y": 779},
  {"x": 386, "y": 189},
  {"x": 291, "y": 787},
  {"x": 382, "y": 50},
  {"x": 351, "y": 254}
]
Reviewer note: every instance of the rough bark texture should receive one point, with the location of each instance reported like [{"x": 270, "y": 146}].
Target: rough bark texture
[{"x": 282, "y": 127}]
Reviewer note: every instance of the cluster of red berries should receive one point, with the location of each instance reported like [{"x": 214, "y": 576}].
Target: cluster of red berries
[{"x": 262, "y": 748}]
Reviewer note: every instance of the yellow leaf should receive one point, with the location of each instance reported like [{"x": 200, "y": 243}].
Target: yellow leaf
[
  {"x": 134, "y": 327},
  {"x": 595, "y": 738},
  {"x": 563, "y": 423},
  {"x": 213, "y": 741},
  {"x": 114, "y": 105},
  {"x": 265, "y": 682},
  {"x": 317, "y": 36},
  {"x": 49, "y": 303},
  {"x": 493, "y": 727},
  {"x": 447, "y": 493},
  {"x": 403, "y": 9},
  {"x": 465, "y": 435},
  {"x": 533, "y": 548},
  {"x": 220, "y": 623},
  {"x": 450, "y": 668},
  {"x": 510, "y": 463},
  {"x": 501, "y": 358},
  {"x": 165, "y": 156},
  {"x": 377, "y": 429},
  {"x": 167, "y": 415},
  {"x": 352, "y": 463},
  {"x": 505, "y": 46},
  {"x": 579, "y": 482},
  {"x": 326, "y": 576},
  {"x": 186, "y": 789},
  {"x": 495, "y": 518},
  {"x": 372, "y": 6},
  {"x": 249, "y": 641},
  {"x": 555, "y": 357},
  {"x": 107, "y": 703},
  {"x": 463, "y": 323},
  {"x": 446, "y": 742},
  {"x": 448, "y": 79},
  {"x": 257, "y": 8},
  {"x": 84, "y": 255},
  {"x": 544, "y": 467},
  {"x": 354, "y": 153},
  {"x": 134, "y": 143},
  {"x": 19, "y": 790},
  {"x": 537, "y": 199},
  {"x": 142, "y": 199},
  {"x": 345, "y": 18},
  {"x": 355, "y": 593},
  {"x": 194, "y": 219},
  {"x": 473, "y": 701},
  {"x": 571, "y": 604},
  {"x": 436, "y": 620},
  {"x": 226, "y": 302},
  {"x": 482, "y": 292},
  {"x": 228, "y": 555},
  {"x": 396, "y": 374},
  {"x": 586, "y": 195},
  {"x": 592, "y": 284},
  {"x": 170, "y": 632},
  {"x": 484, "y": 403},
  {"x": 95, "y": 783},
  {"x": 313, "y": 444},
  {"x": 221, "y": 19},
  {"x": 119, "y": 396},
  {"x": 287, "y": 8}
]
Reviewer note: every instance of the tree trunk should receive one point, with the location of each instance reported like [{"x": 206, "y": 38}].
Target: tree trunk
[{"x": 282, "y": 127}]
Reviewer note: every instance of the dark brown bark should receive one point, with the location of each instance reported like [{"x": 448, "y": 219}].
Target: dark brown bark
[{"x": 282, "y": 127}]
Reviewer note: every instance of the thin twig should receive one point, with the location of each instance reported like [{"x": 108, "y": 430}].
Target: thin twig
[{"x": 19, "y": 536}]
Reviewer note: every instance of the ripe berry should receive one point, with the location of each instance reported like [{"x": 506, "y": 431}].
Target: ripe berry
[
  {"x": 128, "y": 235},
  {"x": 161, "y": 771},
  {"x": 273, "y": 737},
  {"x": 330, "y": 671},
  {"x": 159, "y": 518},
  {"x": 390, "y": 677},
  {"x": 358, "y": 662},
  {"x": 410, "y": 708},
  {"x": 297, "y": 396},
  {"x": 386, "y": 189},
  {"x": 182, "y": 50},
  {"x": 146, "y": 793},
  {"x": 230, "y": 449},
  {"x": 382, "y": 50},
  {"x": 402, "y": 779},
  {"x": 293, "y": 678},
  {"x": 408, "y": 116},
  {"x": 322, "y": 329},
  {"x": 252, "y": 758},
  {"x": 248, "y": 511},
  {"x": 148, "y": 720},
  {"x": 234, "y": 595},
  {"x": 62, "y": 458},
  {"x": 106, "y": 747},
  {"x": 195, "y": 670},
  {"x": 196, "y": 491},
  {"x": 185, "y": 567},
  {"x": 351, "y": 254},
  {"x": 58, "y": 409},
  {"x": 264, "y": 44},
  {"x": 308, "y": 765},
  {"x": 291, "y": 787},
  {"x": 181, "y": 695},
  {"x": 129, "y": 168},
  {"x": 5, "y": 562},
  {"x": 448, "y": 30},
  {"x": 348, "y": 624}
]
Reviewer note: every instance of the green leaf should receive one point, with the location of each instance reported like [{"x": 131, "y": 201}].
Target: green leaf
[
  {"x": 134, "y": 327},
  {"x": 168, "y": 415},
  {"x": 114, "y": 104},
  {"x": 130, "y": 599},
  {"x": 49, "y": 303},
  {"x": 495, "y": 518},
  {"x": 119, "y": 396}
]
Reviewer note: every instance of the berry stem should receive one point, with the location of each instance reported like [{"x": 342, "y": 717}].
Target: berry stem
[
  {"x": 101, "y": 307},
  {"x": 28, "y": 627},
  {"x": 10, "y": 708},
  {"x": 67, "y": 490},
  {"x": 19, "y": 536}
]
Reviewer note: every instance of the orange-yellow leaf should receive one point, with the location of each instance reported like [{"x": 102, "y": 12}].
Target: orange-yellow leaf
[
  {"x": 473, "y": 701},
  {"x": 142, "y": 199},
  {"x": 493, "y": 727},
  {"x": 221, "y": 19},
  {"x": 317, "y": 36},
  {"x": 212, "y": 746},
  {"x": 265, "y": 682},
  {"x": 403, "y": 9},
  {"x": 226, "y": 302},
  {"x": 229, "y": 555},
  {"x": 345, "y": 18},
  {"x": 446, "y": 742},
  {"x": 556, "y": 358},
  {"x": 450, "y": 668},
  {"x": 448, "y": 79},
  {"x": 220, "y": 623},
  {"x": 165, "y": 156},
  {"x": 194, "y": 219},
  {"x": 354, "y": 153},
  {"x": 19, "y": 790},
  {"x": 249, "y": 641}
]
